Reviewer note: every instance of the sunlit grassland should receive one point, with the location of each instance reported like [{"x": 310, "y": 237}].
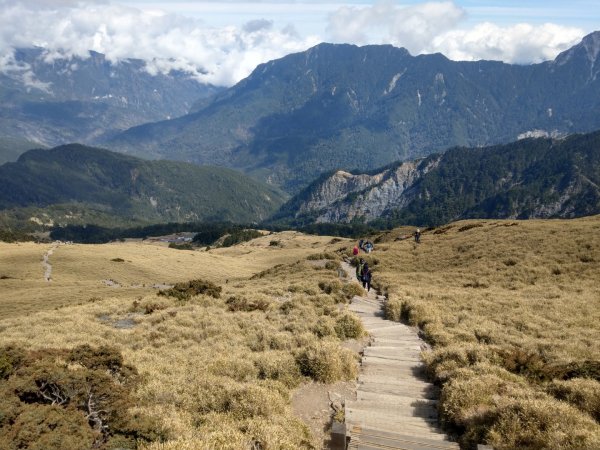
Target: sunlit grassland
[
  {"x": 218, "y": 373},
  {"x": 80, "y": 272},
  {"x": 513, "y": 311}
]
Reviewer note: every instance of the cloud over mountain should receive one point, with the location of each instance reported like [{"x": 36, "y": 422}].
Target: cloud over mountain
[{"x": 225, "y": 54}]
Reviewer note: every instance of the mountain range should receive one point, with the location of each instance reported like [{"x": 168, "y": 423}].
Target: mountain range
[
  {"x": 349, "y": 107},
  {"x": 530, "y": 178},
  {"x": 51, "y": 101},
  {"x": 78, "y": 184}
]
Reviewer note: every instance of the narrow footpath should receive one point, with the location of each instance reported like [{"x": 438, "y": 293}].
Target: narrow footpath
[
  {"x": 46, "y": 263},
  {"x": 395, "y": 406}
]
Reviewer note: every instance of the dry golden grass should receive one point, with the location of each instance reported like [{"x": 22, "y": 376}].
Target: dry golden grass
[
  {"x": 215, "y": 376},
  {"x": 511, "y": 307},
  {"x": 499, "y": 300},
  {"x": 80, "y": 272}
]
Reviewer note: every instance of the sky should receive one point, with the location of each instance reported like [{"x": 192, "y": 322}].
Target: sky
[{"x": 221, "y": 42}]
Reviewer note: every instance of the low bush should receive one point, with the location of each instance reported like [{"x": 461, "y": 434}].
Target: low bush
[
  {"x": 351, "y": 290},
  {"x": 326, "y": 362},
  {"x": 349, "y": 327},
  {"x": 330, "y": 286},
  {"x": 184, "y": 246},
  {"x": 319, "y": 256},
  {"x": 188, "y": 289},
  {"x": 532, "y": 424},
  {"x": 583, "y": 393},
  {"x": 239, "y": 236},
  {"x": 324, "y": 327},
  {"x": 393, "y": 309},
  {"x": 79, "y": 398},
  {"x": 240, "y": 303},
  {"x": 279, "y": 366}
]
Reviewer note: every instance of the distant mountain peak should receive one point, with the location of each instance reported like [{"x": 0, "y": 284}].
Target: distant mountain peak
[
  {"x": 591, "y": 43},
  {"x": 588, "y": 48}
]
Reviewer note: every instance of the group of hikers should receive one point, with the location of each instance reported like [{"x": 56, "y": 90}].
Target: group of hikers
[
  {"x": 363, "y": 245},
  {"x": 363, "y": 271}
]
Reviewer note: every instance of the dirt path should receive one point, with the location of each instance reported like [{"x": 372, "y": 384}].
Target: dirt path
[
  {"x": 395, "y": 406},
  {"x": 46, "y": 262}
]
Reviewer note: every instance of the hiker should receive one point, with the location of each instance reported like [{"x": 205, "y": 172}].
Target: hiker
[
  {"x": 366, "y": 277},
  {"x": 360, "y": 244},
  {"x": 418, "y": 236},
  {"x": 355, "y": 250},
  {"x": 359, "y": 269},
  {"x": 369, "y": 247}
]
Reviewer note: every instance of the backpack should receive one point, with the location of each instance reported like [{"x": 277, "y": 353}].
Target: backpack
[{"x": 359, "y": 270}]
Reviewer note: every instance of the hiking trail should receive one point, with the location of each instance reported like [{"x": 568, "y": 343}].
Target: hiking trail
[
  {"x": 46, "y": 263},
  {"x": 395, "y": 406}
]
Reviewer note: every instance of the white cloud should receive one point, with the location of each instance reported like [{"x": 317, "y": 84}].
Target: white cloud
[
  {"x": 433, "y": 27},
  {"x": 521, "y": 43},
  {"x": 225, "y": 54},
  {"x": 221, "y": 56},
  {"x": 412, "y": 27}
]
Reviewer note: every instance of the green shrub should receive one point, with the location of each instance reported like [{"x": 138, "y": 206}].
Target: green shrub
[
  {"x": 77, "y": 398},
  {"x": 239, "y": 236},
  {"x": 240, "y": 303},
  {"x": 188, "y": 289},
  {"x": 349, "y": 327},
  {"x": 184, "y": 246}
]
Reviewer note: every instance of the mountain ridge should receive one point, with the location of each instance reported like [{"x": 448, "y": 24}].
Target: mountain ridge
[
  {"x": 342, "y": 106},
  {"x": 129, "y": 189},
  {"x": 57, "y": 101},
  {"x": 530, "y": 178}
]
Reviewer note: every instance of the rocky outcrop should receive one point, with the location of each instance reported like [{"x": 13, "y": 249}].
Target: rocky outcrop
[
  {"x": 380, "y": 193},
  {"x": 527, "y": 179}
]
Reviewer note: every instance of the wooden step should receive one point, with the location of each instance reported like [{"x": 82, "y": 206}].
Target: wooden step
[{"x": 376, "y": 439}]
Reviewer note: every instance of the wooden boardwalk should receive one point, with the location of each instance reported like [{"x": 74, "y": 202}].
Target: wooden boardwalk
[{"x": 395, "y": 408}]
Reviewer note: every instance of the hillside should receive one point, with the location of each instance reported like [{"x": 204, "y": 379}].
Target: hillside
[
  {"x": 58, "y": 101},
  {"x": 72, "y": 183},
  {"x": 348, "y": 107},
  {"x": 530, "y": 178},
  {"x": 510, "y": 308}
]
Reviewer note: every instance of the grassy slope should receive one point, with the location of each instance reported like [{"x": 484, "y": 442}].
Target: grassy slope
[
  {"x": 512, "y": 308},
  {"x": 215, "y": 378},
  {"x": 508, "y": 306}
]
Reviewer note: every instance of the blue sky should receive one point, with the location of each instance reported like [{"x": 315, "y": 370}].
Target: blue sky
[{"x": 221, "y": 42}]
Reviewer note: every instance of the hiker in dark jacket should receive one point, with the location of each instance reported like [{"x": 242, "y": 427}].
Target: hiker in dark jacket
[
  {"x": 418, "y": 236},
  {"x": 366, "y": 277}
]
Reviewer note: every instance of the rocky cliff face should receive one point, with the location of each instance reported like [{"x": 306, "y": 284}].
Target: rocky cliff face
[
  {"x": 530, "y": 178},
  {"x": 345, "y": 197}
]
